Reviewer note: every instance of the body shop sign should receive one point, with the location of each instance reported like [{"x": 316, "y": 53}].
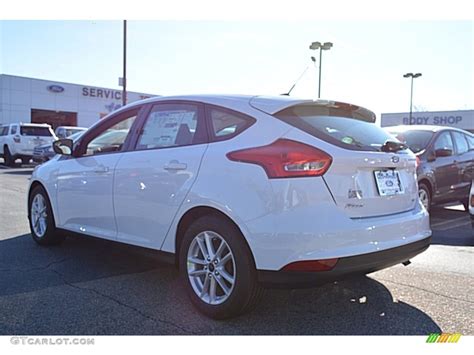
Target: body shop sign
[{"x": 459, "y": 119}]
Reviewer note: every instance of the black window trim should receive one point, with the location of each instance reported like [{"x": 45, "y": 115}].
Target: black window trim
[
  {"x": 212, "y": 137},
  {"x": 144, "y": 117}
]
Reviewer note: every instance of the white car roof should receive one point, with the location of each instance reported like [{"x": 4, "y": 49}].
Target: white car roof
[
  {"x": 267, "y": 104},
  {"x": 32, "y": 124},
  {"x": 72, "y": 127}
]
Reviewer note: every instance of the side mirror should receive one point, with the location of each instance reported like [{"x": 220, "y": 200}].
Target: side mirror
[
  {"x": 430, "y": 156},
  {"x": 63, "y": 146},
  {"x": 444, "y": 152}
]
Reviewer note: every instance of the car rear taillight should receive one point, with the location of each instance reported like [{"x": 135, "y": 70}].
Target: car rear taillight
[
  {"x": 311, "y": 265},
  {"x": 472, "y": 200},
  {"x": 17, "y": 139},
  {"x": 285, "y": 158},
  {"x": 418, "y": 161}
]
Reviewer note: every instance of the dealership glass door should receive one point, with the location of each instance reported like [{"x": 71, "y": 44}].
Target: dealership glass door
[{"x": 54, "y": 118}]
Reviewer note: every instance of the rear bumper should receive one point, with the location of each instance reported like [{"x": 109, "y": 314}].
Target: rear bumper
[{"x": 345, "y": 267}]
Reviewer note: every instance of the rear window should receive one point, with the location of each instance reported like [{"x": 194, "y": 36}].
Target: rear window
[
  {"x": 226, "y": 124},
  {"x": 347, "y": 128},
  {"x": 35, "y": 131},
  {"x": 415, "y": 140}
]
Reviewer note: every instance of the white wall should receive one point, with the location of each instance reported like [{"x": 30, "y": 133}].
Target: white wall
[{"x": 18, "y": 95}]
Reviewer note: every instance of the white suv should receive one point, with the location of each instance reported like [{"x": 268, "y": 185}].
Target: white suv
[
  {"x": 240, "y": 192},
  {"x": 18, "y": 140}
]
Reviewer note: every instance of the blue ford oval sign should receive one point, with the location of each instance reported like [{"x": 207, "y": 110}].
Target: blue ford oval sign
[{"x": 55, "y": 88}]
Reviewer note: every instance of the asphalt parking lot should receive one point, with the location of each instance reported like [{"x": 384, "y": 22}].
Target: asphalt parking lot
[{"x": 93, "y": 287}]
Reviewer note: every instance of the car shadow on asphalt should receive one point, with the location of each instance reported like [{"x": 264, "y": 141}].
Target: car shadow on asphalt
[{"x": 130, "y": 279}]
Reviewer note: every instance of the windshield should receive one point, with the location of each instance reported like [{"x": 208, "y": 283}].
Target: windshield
[
  {"x": 75, "y": 136},
  {"x": 336, "y": 127},
  {"x": 36, "y": 131},
  {"x": 415, "y": 140},
  {"x": 71, "y": 131}
]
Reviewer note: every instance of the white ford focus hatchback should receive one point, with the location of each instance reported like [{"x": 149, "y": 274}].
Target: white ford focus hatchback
[{"x": 241, "y": 192}]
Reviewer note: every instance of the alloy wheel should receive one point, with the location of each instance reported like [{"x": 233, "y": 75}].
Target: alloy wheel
[
  {"x": 39, "y": 215},
  {"x": 424, "y": 198},
  {"x": 211, "y": 267}
]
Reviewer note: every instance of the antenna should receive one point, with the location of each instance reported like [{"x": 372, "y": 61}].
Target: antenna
[{"x": 299, "y": 78}]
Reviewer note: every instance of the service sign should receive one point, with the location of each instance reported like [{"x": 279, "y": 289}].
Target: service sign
[{"x": 463, "y": 119}]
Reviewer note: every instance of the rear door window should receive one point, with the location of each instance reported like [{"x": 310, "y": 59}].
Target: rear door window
[
  {"x": 470, "y": 141},
  {"x": 344, "y": 127},
  {"x": 172, "y": 125},
  {"x": 14, "y": 129},
  {"x": 461, "y": 143},
  {"x": 35, "y": 131}
]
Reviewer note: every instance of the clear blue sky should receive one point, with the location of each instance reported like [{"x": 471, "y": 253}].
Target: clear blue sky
[{"x": 364, "y": 67}]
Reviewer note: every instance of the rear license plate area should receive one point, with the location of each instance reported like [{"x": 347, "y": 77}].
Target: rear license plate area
[{"x": 388, "y": 182}]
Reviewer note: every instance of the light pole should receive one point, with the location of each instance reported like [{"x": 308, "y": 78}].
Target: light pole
[
  {"x": 412, "y": 76},
  {"x": 321, "y": 47},
  {"x": 124, "y": 92}
]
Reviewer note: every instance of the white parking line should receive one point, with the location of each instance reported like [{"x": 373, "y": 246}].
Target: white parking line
[
  {"x": 453, "y": 223},
  {"x": 452, "y": 226}
]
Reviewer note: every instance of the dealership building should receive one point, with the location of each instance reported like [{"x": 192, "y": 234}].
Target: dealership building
[
  {"x": 463, "y": 119},
  {"x": 59, "y": 104}
]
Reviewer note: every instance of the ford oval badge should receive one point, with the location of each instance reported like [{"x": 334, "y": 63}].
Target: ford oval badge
[{"x": 55, "y": 88}]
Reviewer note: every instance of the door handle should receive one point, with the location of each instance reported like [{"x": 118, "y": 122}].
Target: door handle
[
  {"x": 175, "y": 165},
  {"x": 101, "y": 169}
]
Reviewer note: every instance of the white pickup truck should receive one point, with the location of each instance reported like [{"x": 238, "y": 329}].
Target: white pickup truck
[{"x": 17, "y": 140}]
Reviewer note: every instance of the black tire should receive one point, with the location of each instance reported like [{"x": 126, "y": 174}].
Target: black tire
[
  {"x": 246, "y": 291},
  {"x": 423, "y": 187},
  {"x": 51, "y": 235},
  {"x": 465, "y": 203},
  {"x": 9, "y": 161}
]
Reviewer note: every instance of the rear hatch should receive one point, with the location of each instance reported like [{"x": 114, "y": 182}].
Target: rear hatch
[
  {"x": 372, "y": 174},
  {"x": 34, "y": 136}
]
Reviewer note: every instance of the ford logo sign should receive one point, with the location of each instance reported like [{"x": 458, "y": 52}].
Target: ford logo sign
[
  {"x": 55, "y": 88},
  {"x": 395, "y": 159}
]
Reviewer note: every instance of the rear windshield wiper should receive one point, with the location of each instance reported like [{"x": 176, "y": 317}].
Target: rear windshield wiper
[{"x": 392, "y": 146}]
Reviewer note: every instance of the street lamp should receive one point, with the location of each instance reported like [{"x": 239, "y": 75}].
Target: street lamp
[
  {"x": 321, "y": 47},
  {"x": 124, "y": 80},
  {"x": 412, "y": 76}
]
